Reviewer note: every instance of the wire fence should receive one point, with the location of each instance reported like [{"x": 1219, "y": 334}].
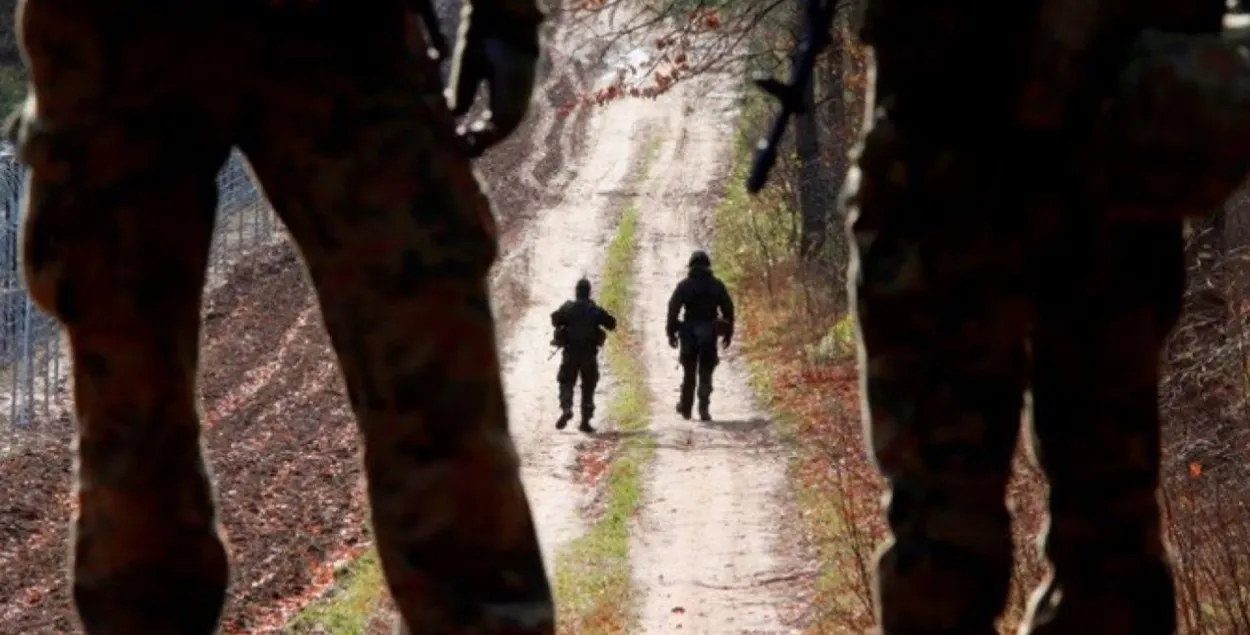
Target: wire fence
[
  {"x": 34, "y": 369},
  {"x": 33, "y": 362}
]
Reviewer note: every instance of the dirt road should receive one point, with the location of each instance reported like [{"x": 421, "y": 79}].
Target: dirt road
[
  {"x": 704, "y": 554},
  {"x": 704, "y": 551},
  {"x": 565, "y": 242}
]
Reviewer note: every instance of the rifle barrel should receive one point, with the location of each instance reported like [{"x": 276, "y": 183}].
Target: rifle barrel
[
  {"x": 766, "y": 152},
  {"x": 818, "y": 20}
]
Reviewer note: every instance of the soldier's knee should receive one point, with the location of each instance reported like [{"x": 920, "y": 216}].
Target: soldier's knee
[
  {"x": 974, "y": 520},
  {"x": 590, "y": 376},
  {"x": 948, "y": 569}
]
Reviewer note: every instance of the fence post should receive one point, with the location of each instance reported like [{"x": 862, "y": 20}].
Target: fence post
[{"x": 25, "y": 368}]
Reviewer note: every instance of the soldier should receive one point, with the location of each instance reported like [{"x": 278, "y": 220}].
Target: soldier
[
  {"x": 579, "y": 330},
  {"x": 702, "y": 295},
  {"x": 134, "y": 108},
  {"x": 1017, "y": 224}
]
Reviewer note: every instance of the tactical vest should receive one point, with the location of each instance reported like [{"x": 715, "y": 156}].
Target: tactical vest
[{"x": 582, "y": 327}]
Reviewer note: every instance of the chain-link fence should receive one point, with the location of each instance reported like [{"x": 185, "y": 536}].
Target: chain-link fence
[{"x": 33, "y": 363}]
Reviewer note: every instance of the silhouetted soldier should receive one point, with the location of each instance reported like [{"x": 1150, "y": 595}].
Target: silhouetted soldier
[
  {"x": 579, "y": 331},
  {"x": 135, "y": 106},
  {"x": 709, "y": 312},
  {"x": 1017, "y": 225}
]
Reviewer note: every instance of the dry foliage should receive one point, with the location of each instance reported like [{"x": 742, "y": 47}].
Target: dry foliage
[{"x": 686, "y": 38}]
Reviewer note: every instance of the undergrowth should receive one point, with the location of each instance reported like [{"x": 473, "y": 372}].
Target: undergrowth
[
  {"x": 593, "y": 586},
  {"x": 358, "y": 592},
  {"x": 12, "y": 87},
  {"x": 800, "y": 353}
]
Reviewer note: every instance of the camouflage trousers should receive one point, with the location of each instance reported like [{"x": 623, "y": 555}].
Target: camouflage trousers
[
  {"x": 698, "y": 363},
  {"x": 575, "y": 366},
  {"x": 135, "y": 106},
  {"x": 971, "y": 287}
]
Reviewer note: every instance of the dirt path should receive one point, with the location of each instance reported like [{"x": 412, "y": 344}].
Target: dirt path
[
  {"x": 703, "y": 552},
  {"x": 566, "y": 241}
]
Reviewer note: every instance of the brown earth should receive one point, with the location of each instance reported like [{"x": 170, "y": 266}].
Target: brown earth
[{"x": 279, "y": 437}]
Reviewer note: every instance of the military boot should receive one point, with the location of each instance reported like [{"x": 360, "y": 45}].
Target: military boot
[
  {"x": 585, "y": 426},
  {"x": 685, "y": 402},
  {"x": 565, "y": 417},
  {"x": 683, "y": 409},
  {"x": 704, "y": 414},
  {"x": 588, "y": 413}
]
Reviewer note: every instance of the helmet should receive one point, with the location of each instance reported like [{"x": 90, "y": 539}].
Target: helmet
[
  {"x": 699, "y": 259},
  {"x": 582, "y": 289}
]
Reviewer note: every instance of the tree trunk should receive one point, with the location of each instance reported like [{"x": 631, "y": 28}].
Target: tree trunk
[{"x": 810, "y": 197}]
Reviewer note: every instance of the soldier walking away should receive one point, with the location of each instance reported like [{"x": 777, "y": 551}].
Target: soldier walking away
[
  {"x": 1017, "y": 225},
  {"x": 579, "y": 333},
  {"x": 134, "y": 108},
  {"x": 709, "y": 313}
]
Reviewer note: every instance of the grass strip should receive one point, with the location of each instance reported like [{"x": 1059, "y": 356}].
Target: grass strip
[
  {"x": 359, "y": 589},
  {"x": 593, "y": 579}
]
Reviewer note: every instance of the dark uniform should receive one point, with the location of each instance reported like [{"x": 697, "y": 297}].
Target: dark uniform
[
  {"x": 579, "y": 331},
  {"x": 134, "y": 108},
  {"x": 1017, "y": 225},
  {"x": 702, "y": 295}
]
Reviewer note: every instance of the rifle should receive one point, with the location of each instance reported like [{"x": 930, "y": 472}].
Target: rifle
[
  {"x": 817, "y": 21},
  {"x": 433, "y": 32},
  {"x": 553, "y": 353}
]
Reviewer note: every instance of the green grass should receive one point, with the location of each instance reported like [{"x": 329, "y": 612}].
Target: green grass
[
  {"x": 593, "y": 578},
  {"x": 358, "y": 591}
]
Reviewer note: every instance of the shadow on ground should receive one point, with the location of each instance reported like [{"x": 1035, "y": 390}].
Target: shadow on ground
[{"x": 737, "y": 426}]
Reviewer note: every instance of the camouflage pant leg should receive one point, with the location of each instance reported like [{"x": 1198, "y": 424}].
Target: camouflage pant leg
[
  {"x": 566, "y": 379},
  {"x": 354, "y": 146},
  {"x": 575, "y": 366},
  {"x": 698, "y": 363},
  {"x": 940, "y": 283},
  {"x": 688, "y": 357},
  {"x": 708, "y": 358},
  {"x": 589, "y": 373},
  {"x": 1102, "y": 321},
  {"x": 118, "y": 222}
]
